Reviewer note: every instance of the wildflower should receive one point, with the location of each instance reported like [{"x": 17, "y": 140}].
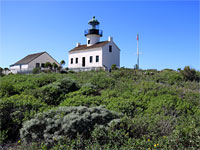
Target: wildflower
[
  {"x": 19, "y": 142},
  {"x": 155, "y": 145},
  {"x": 148, "y": 140}
]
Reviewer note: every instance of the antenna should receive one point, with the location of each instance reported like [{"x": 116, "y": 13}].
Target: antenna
[{"x": 137, "y": 50}]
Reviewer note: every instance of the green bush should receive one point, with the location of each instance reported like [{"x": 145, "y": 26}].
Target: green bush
[
  {"x": 53, "y": 93},
  {"x": 3, "y": 136},
  {"x": 189, "y": 74},
  {"x": 114, "y": 67},
  {"x": 7, "y": 89},
  {"x": 36, "y": 70},
  {"x": 161, "y": 109},
  {"x": 65, "y": 122},
  {"x": 82, "y": 100},
  {"x": 119, "y": 104},
  {"x": 16, "y": 109},
  {"x": 102, "y": 80},
  {"x": 44, "y": 79}
]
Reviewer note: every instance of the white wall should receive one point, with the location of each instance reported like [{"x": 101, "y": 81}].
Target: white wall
[
  {"x": 17, "y": 68},
  {"x": 113, "y": 57},
  {"x": 93, "y": 39},
  {"x": 86, "y": 54},
  {"x": 24, "y": 67},
  {"x": 41, "y": 59}
]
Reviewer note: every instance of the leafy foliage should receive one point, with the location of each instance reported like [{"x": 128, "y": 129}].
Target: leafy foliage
[
  {"x": 7, "y": 89},
  {"x": 189, "y": 74},
  {"x": 53, "y": 93},
  {"x": 36, "y": 70},
  {"x": 16, "y": 109},
  {"x": 161, "y": 109},
  {"x": 65, "y": 121}
]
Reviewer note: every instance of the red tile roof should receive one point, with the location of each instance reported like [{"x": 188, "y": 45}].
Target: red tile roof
[{"x": 84, "y": 47}]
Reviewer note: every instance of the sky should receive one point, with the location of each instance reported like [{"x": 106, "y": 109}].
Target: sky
[{"x": 168, "y": 30}]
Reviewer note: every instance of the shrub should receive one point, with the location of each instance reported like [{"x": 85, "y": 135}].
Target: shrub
[
  {"x": 114, "y": 67},
  {"x": 126, "y": 106},
  {"x": 102, "y": 80},
  {"x": 14, "y": 110},
  {"x": 7, "y": 89},
  {"x": 82, "y": 100},
  {"x": 189, "y": 74},
  {"x": 3, "y": 136},
  {"x": 1, "y": 71},
  {"x": 36, "y": 70},
  {"x": 53, "y": 93},
  {"x": 44, "y": 79},
  {"x": 65, "y": 122}
]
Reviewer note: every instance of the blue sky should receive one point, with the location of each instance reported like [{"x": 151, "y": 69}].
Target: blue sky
[{"x": 168, "y": 30}]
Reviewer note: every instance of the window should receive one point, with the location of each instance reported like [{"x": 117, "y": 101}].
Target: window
[
  {"x": 97, "y": 58},
  {"x": 88, "y": 41},
  {"x": 42, "y": 65},
  {"x": 37, "y": 65},
  {"x": 110, "y": 48},
  {"x": 76, "y": 60},
  {"x": 90, "y": 59},
  {"x": 83, "y": 61},
  {"x": 71, "y": 60}
]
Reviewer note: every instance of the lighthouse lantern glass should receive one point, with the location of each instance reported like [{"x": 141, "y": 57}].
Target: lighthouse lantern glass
[{"x": 93, "y": 26}]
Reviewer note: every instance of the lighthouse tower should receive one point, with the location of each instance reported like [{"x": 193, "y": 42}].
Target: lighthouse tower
[{"x": 93, "y": 34}]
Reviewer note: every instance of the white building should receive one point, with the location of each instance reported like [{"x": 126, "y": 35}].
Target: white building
[
  {"x": 28, "y": 63},
  {"x": 95, "y": 54}
]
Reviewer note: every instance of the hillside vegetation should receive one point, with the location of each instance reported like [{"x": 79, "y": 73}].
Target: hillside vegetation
[{"x": 124, "y": 109}]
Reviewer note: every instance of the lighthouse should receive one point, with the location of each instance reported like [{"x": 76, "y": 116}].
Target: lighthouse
[
  {"x": 93, "y": 34},
  {"x": 95, "y": 54}
]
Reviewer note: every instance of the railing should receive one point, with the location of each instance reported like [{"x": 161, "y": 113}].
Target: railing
[
  {"x": 29, "y": 71},
  {"x": 87, "y": 69},
  {"x": 93, "y": 31}
]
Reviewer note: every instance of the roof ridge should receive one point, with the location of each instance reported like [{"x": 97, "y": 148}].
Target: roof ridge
[
  {"x": 84, "y": 47},
  {"x": 27, "y": 59}
]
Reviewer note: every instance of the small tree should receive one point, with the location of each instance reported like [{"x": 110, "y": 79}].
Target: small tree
[
  {"x": 6, "y": 69},
  {"x": 55, "y": 66},
  {"x": 179, "y": 69},
  {"x": 1, "y": 71},
  {"x": 48, "y": 65},
  {"x": 59, "y": 68},
  {"x": 62, "y": 63},
  {"x": 114, "y": 67},
  {"x": 188, "y": 73},
  {"x": 36, "y": 70}
]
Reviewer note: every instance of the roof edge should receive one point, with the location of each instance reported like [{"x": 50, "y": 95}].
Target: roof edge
[{"x": 15, "y": 64}]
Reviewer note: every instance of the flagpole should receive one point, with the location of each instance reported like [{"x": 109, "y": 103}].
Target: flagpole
[{"x": 138, "y": 51}]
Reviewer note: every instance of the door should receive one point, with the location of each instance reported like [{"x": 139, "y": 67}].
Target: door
[{"x": 83, "y": 61}]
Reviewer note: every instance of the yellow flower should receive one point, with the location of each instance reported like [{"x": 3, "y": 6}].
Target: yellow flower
[
  {"x": 148, "y": 140},
  {"x": 19, "y": 142},
  {"x": 157, "y": 144},
  {"x": 154, "y": 145}
]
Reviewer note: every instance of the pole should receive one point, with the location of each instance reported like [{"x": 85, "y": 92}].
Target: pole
[{"x": 138, "y": 51}]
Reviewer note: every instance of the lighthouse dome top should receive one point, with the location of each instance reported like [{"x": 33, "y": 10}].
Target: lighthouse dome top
[{"x": 93, "y": 21}]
